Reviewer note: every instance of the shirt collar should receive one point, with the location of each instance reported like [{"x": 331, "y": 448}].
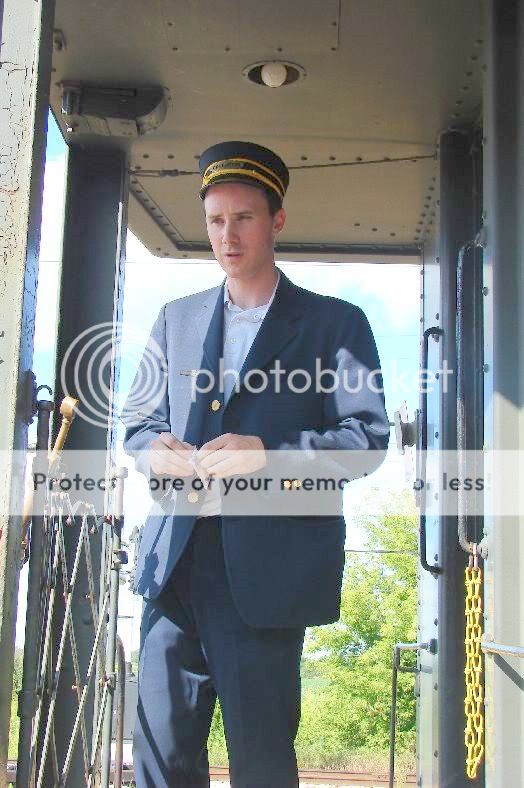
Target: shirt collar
[{"x": 228, "y": 303}]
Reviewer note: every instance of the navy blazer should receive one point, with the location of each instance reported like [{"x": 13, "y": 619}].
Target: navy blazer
[{"x": 284, "y": 571}]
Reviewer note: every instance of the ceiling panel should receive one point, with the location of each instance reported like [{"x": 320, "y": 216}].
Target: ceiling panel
[
  {"x": 217, "y": 27},
  {"x": 383, "y": 79}
]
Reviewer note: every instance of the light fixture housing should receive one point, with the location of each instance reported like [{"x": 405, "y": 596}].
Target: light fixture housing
[{"x": 273, "y": 73}]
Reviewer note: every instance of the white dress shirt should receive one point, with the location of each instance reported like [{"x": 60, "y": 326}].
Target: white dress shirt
[{"x": 240, "y": 329}]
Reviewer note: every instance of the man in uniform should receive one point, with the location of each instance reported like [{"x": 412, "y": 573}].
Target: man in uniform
[{"x": 227, "y": 597}]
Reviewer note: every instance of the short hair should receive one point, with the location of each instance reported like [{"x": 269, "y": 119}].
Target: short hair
[
  {"x": 274, "y": 203},
  {"x": 273, "y": 200}
]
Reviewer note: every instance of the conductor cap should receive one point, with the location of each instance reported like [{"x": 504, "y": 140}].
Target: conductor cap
[{"x": 243, "y": 162}]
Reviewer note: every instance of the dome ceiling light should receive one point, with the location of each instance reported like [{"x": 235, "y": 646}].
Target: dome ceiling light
[{"x": 273, "y": 73}]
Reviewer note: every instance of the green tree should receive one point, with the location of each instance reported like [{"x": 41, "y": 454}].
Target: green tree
[
  {"x": 349, "y": 710},
  {"x": 14, "y": 724}
]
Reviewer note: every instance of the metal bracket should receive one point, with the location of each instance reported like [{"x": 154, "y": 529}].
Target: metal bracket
[
  {"x": 431, "y": 646},
  {"x": 28, "y": 402},
  {"x": 490, "y": 647},
  {"x": 406, "y": 435},
  {"x": 405, "y": 431},
  {"x": 113, "y": 111},
  {"x": 59, "y": 42},
  {"x": 134, "y": 539},
  {"x": 120, "y": 558}
]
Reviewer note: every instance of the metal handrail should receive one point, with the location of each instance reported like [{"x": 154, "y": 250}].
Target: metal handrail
[
  {"x": 490, "y": 647},
  {"x": 117, "y": 558},
  {"x": 436, "y": 332},
  {"x": 462, "y": 514},
  {"x": 120, "y": 707},
  {"x": 430, "y": 646},
  {"x": 462, "y": 517}
]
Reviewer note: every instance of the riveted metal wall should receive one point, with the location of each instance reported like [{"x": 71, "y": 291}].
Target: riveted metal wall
[
  {"x": 440, "y": 683},
  {"x": 504, "y": 380},
  {"x": 25, "y": 66},
  {"x": 427, "y": 678},
  {"x": 458, "y": 225}
]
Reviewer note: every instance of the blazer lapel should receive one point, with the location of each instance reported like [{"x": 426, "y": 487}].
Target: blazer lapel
[
  {"x": 208, "y": 325},
  {"x": 279, "y": 327}
]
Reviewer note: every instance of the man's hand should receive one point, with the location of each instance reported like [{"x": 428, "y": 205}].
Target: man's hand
[
  {"x": 232, "y": 454},
  {"x": 170, "y": 457}
]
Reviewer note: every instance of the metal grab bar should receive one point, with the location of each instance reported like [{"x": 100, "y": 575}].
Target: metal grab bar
[
  {"x": 462, "y": 514},
  {"x": 490, "y": 647},
  {"x": 462, "y": 517},
  {"x": 430, "y": 646},
  {"x": 120, "y": 705},
  {"x": 117, "y": 558},
  {"x": 436, "y": 332}
]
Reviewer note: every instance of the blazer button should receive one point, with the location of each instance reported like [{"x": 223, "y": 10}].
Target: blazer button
[
  {"x": 215, "y": 405},
  {"x": 192, "y": 497}
]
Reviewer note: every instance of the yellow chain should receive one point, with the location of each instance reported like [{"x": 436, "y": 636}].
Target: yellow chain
[{"x": 474, "y": 700}]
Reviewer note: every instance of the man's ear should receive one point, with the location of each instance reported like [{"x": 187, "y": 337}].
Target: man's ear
[{"x": 279, "y": 220}]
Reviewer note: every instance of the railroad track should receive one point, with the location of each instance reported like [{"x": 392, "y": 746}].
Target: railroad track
[
  {"x": 307, "y": 776},
  {"x": 327, "y": 777}
]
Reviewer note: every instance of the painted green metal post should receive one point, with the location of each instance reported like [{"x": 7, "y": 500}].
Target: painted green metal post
[{"x": 25, "y": 69}]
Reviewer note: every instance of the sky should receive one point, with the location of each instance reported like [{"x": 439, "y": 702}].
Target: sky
[{"x": 388, "y": 293}]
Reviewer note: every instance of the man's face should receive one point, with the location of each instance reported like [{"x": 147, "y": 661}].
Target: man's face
[{"x": 241, "y": 230}]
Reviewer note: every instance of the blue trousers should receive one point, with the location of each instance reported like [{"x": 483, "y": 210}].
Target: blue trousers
[{"x": 195, "y": 646}]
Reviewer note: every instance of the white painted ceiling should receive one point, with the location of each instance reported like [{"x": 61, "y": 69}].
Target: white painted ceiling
[{"x": 383, "y": 79}]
